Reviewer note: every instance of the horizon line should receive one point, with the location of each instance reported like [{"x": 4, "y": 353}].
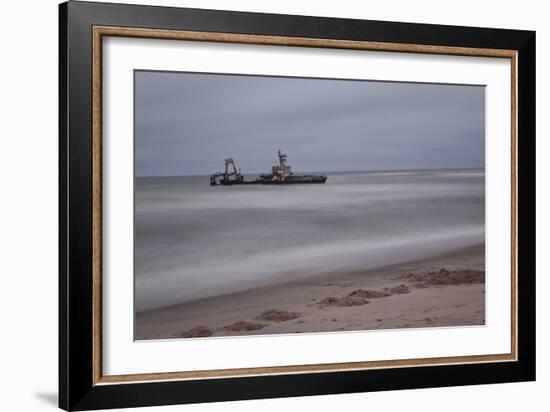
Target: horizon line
[{"x": 328, "y": 171}]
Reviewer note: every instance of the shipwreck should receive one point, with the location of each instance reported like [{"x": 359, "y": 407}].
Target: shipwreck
[{"x": 281, "y": 173}]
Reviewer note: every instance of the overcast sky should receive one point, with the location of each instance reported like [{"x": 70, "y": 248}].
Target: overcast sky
[{"x": 187, "y": 124}]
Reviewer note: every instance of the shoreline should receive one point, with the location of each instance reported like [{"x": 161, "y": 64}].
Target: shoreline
[{"x": 446, "y": 290}]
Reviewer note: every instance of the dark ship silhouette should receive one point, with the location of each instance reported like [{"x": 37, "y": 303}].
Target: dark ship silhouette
[{"x": 281, "y": 174}]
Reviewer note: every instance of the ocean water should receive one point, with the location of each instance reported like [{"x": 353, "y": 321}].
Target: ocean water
[{"x": 193, "y": 240}]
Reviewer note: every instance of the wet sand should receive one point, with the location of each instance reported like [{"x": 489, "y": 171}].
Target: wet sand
[{"x": 447, "y": 290}]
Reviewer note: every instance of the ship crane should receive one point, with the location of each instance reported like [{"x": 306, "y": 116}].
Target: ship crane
[{"x": 230, "y": 170}]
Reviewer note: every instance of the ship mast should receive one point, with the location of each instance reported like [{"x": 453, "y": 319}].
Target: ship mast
[
  {"x": 282, "y": 158},
  {"x": 284, "y": 169}
]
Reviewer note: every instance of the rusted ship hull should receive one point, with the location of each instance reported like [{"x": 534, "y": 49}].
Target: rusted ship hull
[{"x": 293, "y": 180}]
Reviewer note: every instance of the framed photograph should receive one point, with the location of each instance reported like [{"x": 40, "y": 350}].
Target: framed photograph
[{"x": 256, "y": 205}]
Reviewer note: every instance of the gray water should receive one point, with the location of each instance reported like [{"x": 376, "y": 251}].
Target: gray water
[{"x": 193, "y": 240}]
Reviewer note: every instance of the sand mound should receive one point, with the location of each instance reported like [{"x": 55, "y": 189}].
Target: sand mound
[
  {"x": 398, "y": 290},
  {"x": 196, "y": 332},
  {"x": 346, "y": 301},
  {"x": 275, "y": 315},
  {"x": 356, "y": 298},
  {"x": 368, "y": 294},
  {"x": 445, "y": 277},
  {"x": 243, "y": 325},
  {"x": 330, "y": 301}
]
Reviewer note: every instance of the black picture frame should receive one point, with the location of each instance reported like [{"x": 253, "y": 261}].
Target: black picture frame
[{"x": 77, "y": 390}]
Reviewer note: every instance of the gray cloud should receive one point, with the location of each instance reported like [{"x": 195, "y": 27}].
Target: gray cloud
[{"x": 188, "y": 123}]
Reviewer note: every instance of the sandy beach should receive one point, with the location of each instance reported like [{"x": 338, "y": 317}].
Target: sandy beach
[{"x": 447, "y": 290}]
